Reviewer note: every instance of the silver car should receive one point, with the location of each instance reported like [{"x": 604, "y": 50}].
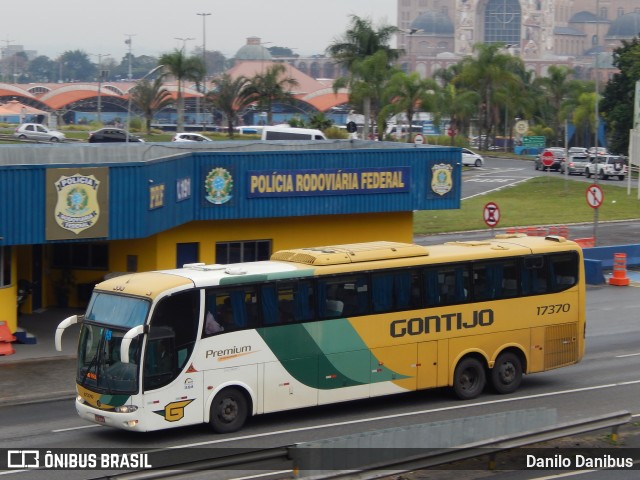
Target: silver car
[
  {"x": 37, "y": 131},
  {"x": 576, "y": 164}
]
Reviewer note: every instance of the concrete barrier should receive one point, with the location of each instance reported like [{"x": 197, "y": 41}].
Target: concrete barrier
[{"x": 599, "y": 259}]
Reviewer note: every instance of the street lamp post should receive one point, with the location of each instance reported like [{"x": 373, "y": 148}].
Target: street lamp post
[
  {"x": 150, "y": 72},
  {"x": 129, "y": 43},
  {"x": 100, "y": 55},
  {"x": 204, "y": 62}
]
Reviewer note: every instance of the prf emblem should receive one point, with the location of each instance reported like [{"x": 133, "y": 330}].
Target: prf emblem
[
  {"x": 441, "y": 181},
  {"x": 173, "y": 411}
]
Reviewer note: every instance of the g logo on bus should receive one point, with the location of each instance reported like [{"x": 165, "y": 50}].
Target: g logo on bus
[{"x": 173, "y": 411}]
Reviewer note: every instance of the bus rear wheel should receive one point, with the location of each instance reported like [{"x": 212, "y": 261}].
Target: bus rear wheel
[
  {"x": 469, "y": 379},
  {"x": 506, "y": 373},
  {"x": 229, "y": 411}
]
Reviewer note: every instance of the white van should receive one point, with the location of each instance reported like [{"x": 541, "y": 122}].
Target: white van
[{"x": 290, "y": 133}]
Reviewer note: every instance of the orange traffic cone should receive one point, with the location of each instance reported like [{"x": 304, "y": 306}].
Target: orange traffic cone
[
  {"x": 619, "y": 277},
  {"x": 5, "y": 340}
]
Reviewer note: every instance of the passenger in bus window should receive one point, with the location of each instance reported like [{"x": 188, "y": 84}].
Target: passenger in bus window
[{"x": 223, "y": 320}]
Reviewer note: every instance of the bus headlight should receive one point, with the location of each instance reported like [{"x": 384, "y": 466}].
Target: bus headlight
[
  {"x": 80, "y": 400},
  {"x": 126, "y": 409}
]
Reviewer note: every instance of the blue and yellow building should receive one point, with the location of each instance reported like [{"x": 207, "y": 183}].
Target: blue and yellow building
[{"x": 72, "y": 214}]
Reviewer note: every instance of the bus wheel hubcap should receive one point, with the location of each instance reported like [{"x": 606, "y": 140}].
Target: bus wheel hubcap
[{"x": 228, "y": 410}]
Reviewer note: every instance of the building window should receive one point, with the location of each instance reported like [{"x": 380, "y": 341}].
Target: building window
[
  {"x": 5, "y": 266},
  {"x": 243, "y": 251},
  {"x": 502, "y": 22},
  {"x": 86, "y": 256}
]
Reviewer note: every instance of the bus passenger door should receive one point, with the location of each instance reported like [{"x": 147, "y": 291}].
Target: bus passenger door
[{"x": 428, "y": 364}]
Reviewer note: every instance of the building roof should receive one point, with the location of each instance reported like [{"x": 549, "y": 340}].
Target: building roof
[
  {"x": 626, "y": 26},
  {"x": 433, "y": 23},
  {"x": 309, "y": 90}
]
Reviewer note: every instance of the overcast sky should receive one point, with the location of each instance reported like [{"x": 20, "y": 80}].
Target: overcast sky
[{"x": 101, "y": 27}]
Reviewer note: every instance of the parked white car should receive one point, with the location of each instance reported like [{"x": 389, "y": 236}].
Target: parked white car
[
  {"x": 190, "y": 137},
  {"x": 471, "y": 158},
  {"x": 37, "y": 131}
]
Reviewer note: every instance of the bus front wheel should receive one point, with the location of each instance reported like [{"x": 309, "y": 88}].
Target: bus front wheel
[
  {"x": 469, "y": 379},
  {"x": 229, "y": 411},
  {"x": 506, "y": 373}
]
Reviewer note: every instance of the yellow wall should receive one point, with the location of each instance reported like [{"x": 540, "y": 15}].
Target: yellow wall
[
  {"x": 159, "y": 252},
  {"x": 8, "y": 295}
]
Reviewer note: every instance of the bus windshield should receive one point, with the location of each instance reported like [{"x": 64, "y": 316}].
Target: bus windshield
[
  {"x": 99, "y": 365},
  {"x": 107, "y": 320},
  {"x": 117, "y": 310}
]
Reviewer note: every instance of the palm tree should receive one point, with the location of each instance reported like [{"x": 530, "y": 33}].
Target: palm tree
[
  {"x": 150, "y": 97},
  {"x": 229, "y": 97},
  {"x": 556, "y": 87},
  {"x": 358, "y": 43},
  {"x": 182, "y": 68},
  {"x": 458, "y": 105},
  {"x": 408, "y": 94},
  {"x": 270, "y": 87},
  {"x": 486, "y": 73},
  {"x": 368, "y": 81}
]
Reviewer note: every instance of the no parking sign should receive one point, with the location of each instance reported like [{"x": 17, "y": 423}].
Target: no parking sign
[{"x": 491, "y": 214}]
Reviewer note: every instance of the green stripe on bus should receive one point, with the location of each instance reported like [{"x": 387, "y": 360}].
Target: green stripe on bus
[{"x": 325, "y": 355}]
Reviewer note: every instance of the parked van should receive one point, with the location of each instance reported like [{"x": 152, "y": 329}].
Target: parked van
[{"x": 289, "y": 133}]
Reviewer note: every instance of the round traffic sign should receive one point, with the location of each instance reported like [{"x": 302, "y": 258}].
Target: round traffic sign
[
  {"x": 418, "y": 139},
  {"x": 595, "y": 195},
  {"x": 491, "y": 214},
  {"x": 547, "y": 159},
  {"x": 352, "y": 127},
  {"x": 522, "y": 126}
]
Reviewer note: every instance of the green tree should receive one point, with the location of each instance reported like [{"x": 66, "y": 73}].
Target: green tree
[
  {"x": 556, "y": 87},
  {"x": 488, "y": 71},
  {"x": 584, "y": 113},
  {"x": 150, "y": 97},
  {"x": 320, "y": 121},
  {"x": 77, "y": 66},
  {"x": 368, "y": 81},
  {"x": 182, "y": 68},
  {"x": 360, "y": 41},
  {"x": 408, "y": 94},
  {"x": 42, "y": 69},
  {"x": 616, "y": 106},
  {"x": 270, "y": 87},
  {"x": 458, "y": 105},
  {"x": 229, "y": 96}
]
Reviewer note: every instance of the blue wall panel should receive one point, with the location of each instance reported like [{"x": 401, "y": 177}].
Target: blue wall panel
[{"x": 149, "y": 197}]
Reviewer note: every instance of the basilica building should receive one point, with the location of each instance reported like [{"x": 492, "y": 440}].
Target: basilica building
[{"x": 578, "y": 33}]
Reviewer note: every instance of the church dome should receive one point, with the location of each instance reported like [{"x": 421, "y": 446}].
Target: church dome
[
  {"x": 626, "y": 26},
  {"x": 433, "y": 23},
  {"x": 253, "y": 50},
  {"x": 583, "y": 17}
]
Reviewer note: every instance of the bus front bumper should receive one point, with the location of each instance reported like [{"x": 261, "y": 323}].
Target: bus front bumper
[{"x": 126, "y": 421}]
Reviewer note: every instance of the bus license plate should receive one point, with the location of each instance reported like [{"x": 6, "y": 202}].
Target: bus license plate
[{"x": 100, "y": 419}]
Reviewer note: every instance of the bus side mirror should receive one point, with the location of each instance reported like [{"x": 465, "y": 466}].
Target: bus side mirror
[
  {"x": 62, "y": 326},
  {"x": 127, "y": 339}
]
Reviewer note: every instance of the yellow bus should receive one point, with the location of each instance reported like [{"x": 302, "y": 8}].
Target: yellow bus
[{"x": 311, "y": 326}]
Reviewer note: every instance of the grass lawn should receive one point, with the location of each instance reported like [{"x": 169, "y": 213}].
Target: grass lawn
[{"x": 539, "y": 201}]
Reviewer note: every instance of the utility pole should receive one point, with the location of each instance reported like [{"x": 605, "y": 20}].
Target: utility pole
[
  {"x": 129, "y": 43},
  {"x": 99, "y": 109},
  {"x": 204, "y": 64}
]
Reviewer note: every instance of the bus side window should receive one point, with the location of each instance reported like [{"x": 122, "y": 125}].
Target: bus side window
[
  {"x": 534, "y": 275},
  {"x": 563, "y": 271}
]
